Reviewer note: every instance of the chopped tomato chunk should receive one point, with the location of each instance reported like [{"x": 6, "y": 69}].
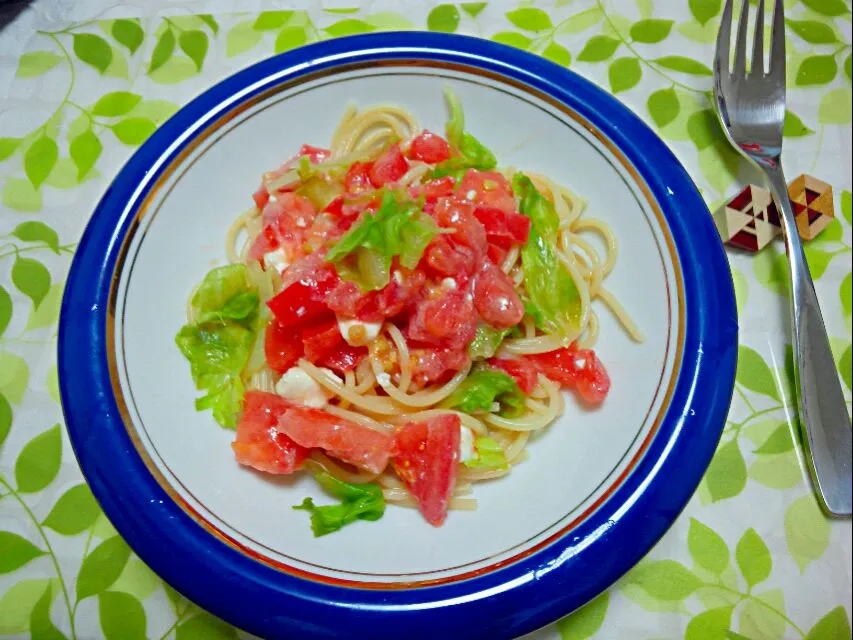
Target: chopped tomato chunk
[
  {"x": 496, "y": 299},
  {"x": 286, "y": 221},
  {"x": 321, "y": 340},
  {"x": 315, "y": 154},
  {"x": 523, "y": 371},
  {"x": 575, "y": 368},
  {"x": 499, "y": 224},
  {"x": 265, "y": 242},
  {"x": 312, "y": 270},
  {"x": 344, "y": 358},
  {"x": 348, "y": 301},
  {"x": 335, "y": 207},
  {"x": 426, "y": 457},
  {"x": 446, "y": 320},
  {"x": 259, "y": 443},
  {"x": 432, "y": 365},
  {"x": 343, "y": 439},
  {"x": 401, "y": 293},
  {"x": 429, "y": 147},
  {"x": 496, "y": 253},
  {"x": 389, "y": 167},
  {"x": 305, "y": 285},
  {"x": 447, "y": 258},
  {"x": 431, "y": 191},
  {"x": 458, "y": 215},
  {"x": 282, "y": 346},
  {"x": 487, "y": 189},
  {"x": 357, "y": 179},
  {"x": 297, "y": 304},
  {"x": 261, "y": 197}
]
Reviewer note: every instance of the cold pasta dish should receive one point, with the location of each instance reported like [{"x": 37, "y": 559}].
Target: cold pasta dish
[{"x": 399, "y": 314}]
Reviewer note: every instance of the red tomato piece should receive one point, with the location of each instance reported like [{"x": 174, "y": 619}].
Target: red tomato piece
[
  {"x": 348, "y": 301},
  {"x": 315, "y": 154},
  {"x": 273, "y": 232},
  {"x": 431, "y": 191},
  {"x": 325, "y": 230},
  {"x": 321, "y": 340},
  {"x": 344, "y": 299},
  {"x": 440, "y": 187},
  {"x": 259, "y": 443},
  {"x": 446, "y": 320},
  {"x": 305, "y": 285},
  {"x": 286, "y": 221},
  {"x": 298, "y": 213},
  {"x": 429, "y": 147},
  {"x": 452, "y": 213},
  {"x": 578, "y": 368},
  {"x": 500, "y": 224},
  {"x": 335, "y": 207},
  {"x": 401, "y": 293},
  {"x": 496, "y": 253},
  {"x": 426, "y": 457},
  {"x": 265, "y": 242},
  {"x": 343, "y": 439},
  {"x": 357, "y": 179},
  {"x": 261, "y": 197},
  {"x": 487, "y": 189},
  {"x": 445, "y": 257},
  {"x": 344, "y": 358},
  {"x": 522, "y": 371},
  {"x": 431, "y": 365},
  {"x": 296, "y": 305},
  {"x": 282, "y": 346},
  {"x": 311, "y": 270},
  {"x": 389, "y": 167},
  {"x": 496, "y": 299}
]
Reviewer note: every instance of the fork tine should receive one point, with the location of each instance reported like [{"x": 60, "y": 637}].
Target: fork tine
[
  {"x": 724, "y": 40},
  {"x": 740, "y": 43},
  {"x": 757, "y": 68},
  {"x": 776, "y": 68}
]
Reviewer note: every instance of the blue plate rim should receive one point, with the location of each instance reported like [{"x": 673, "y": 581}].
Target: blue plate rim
[{"x": 506, "y": 603}]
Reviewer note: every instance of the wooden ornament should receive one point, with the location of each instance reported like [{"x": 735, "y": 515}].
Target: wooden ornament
[
  {"x": 813, "y": 207},
  {"x": 750, "y": 220}
]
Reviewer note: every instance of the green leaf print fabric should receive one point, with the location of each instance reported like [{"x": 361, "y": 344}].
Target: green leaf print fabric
[{"x": 751, "y": 557}]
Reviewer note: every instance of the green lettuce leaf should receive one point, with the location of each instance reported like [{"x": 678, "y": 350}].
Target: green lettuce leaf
[
  {"x": 398, "y": 228},
  {"x": 217, "y": 353},
  {"x": 554, "y": 300},
  {"x": 512, "y": 404},
  {"x": 218, "y": 344},
  {"x": 225, "y": 294},
  {"x": 488, "y": 455},
  {"x": 533, "y": 313},
  {"x": 482, "y": 388},
  {"x": 473, "y": 154},
  {"x": 320, "y": 183},
  {"x": 358, "y": 502},
  {"x": 486, "y": 342}
]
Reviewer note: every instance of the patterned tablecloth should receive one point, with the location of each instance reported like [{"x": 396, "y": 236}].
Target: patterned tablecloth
[{"x": 83, "y": 84}]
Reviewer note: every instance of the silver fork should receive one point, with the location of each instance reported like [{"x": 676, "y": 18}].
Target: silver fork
[{"x": 751, "y": 106}]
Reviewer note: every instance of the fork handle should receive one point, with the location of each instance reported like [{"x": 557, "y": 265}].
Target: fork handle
[{"x": 819, "y": 395}]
